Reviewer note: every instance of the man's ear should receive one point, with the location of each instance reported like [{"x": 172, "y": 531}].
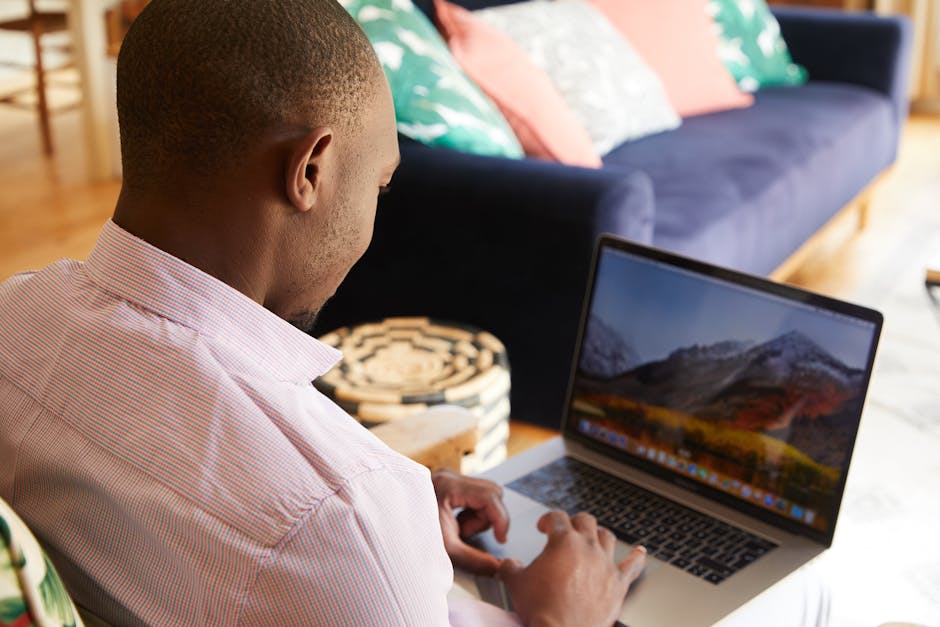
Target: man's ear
[{"x": 305, "y": 167}]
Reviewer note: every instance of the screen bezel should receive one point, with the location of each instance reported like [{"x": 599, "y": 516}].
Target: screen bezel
[{"x": 733, "y": 277}]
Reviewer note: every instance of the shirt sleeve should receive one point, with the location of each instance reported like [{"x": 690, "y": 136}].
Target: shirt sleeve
[{"x": 370, "y": 554}]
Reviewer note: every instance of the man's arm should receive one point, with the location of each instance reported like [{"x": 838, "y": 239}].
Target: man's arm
[{"x": 371, "y": 554}]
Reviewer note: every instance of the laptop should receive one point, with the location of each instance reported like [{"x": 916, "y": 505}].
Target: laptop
[{"x": 710, "y": 416}]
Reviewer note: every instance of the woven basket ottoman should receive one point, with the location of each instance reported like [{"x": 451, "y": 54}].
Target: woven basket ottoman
[{"x": 402, "y": 366}]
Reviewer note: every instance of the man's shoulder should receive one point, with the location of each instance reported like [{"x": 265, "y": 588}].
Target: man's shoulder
[
  {"x": 36, "y": 285},
  {"x": 33, "y": 307},
  {"x": 181, "y": 411}
]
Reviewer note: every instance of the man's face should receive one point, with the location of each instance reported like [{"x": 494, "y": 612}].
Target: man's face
[
  {"x": 366, "y": 157},
  {"x": 368, "y": 162}
]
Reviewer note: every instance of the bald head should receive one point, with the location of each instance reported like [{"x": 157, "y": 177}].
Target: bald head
[
  {"x": 255, "y": 137},
  {"x": 198, "y": 81}
]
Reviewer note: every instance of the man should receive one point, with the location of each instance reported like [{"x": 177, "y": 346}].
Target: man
[{"x": 159, "y": 430}]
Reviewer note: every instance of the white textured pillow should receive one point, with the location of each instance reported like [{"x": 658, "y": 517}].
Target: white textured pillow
[{"x": 611, "y": 90}]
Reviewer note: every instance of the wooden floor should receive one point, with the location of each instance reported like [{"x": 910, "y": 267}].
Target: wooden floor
[{"x": 47, "y": 211}]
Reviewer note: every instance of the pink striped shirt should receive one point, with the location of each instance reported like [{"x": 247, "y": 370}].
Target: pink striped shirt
[{"x": 160, "y": 435}]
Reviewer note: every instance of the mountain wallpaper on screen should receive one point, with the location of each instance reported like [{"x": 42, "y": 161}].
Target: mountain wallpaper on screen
[
  {"x": 604, "y": 353},
  {"x": 788, "y": 388}
]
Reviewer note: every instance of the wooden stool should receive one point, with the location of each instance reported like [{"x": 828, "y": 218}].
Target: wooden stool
[{"x": 399, "y": 367}]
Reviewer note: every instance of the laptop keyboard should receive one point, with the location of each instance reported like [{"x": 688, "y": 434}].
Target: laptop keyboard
[{"x": 692, "y": 541}]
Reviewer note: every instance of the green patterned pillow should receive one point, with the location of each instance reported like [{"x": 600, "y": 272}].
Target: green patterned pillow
[
  {"x": 751, "y": 46},
  {"x": 435, "y": 102},
  {"x": 31, "y": 592}
]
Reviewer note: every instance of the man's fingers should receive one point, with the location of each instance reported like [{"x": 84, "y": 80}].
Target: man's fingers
[
  {"x": 607, "y": 539},
  {"x": 492, "y": 511},
  {"x": 554, "y": 523},
  {"x": 472, "y": 522},
  {"x": 508, "y": 568},
  {"x": 499, "y": 517},
  {"x": 633, "y": 564},
  {"x": 480, "y": 496},
  {"x": 473, "y": 560},
  {"x": 585, "y": 523},
  {"x": 466, "y": 491}
]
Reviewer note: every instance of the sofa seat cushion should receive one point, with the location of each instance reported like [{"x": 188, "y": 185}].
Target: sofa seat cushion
[{"x": 745, "y": 188}]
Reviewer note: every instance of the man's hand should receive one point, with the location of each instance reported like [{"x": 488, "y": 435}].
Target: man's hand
[
  {"x": 482, "y": 505},
  {"x": 575, "y": 580}
]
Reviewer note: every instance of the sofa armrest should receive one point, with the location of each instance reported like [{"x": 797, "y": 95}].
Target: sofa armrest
[
  {"x": 860, "y": 48},
  {"x": 500, "y": 244}
]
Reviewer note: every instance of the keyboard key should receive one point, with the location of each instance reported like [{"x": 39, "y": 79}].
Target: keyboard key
[
  {"x": 758, "y": 548},
  {"x": 714, "y": 578},
  {"x": 697, "y": 570},
  {"x": 744, "y": 560},
  {"x": 627, "y": 537},
  {"x": 715, "y": 565}
]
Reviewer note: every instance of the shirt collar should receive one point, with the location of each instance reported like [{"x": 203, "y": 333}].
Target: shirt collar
[{"x": 137, "y": 271}]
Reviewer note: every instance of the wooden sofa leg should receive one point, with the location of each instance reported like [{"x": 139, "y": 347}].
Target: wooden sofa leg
[
  {"x": 864, "y": 204},
  {"x": 864, "y": 199}
]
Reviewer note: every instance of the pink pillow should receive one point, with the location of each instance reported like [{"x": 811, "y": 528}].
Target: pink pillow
[
  {"x": 680, "y": 42},
  {"x": 542, "y": 121}
]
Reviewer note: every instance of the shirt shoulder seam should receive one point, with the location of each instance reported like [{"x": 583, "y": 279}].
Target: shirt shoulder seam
[
  {"x": 65, "y": 421},
  {"x": 302, "y": 519}
]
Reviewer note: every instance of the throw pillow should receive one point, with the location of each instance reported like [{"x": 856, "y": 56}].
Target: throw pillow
[
  {"x": 751, "y": 45},
  {"x": 31, "y": 592},
  {"x": 546, "y": 127},
  {"x": 604, "y": 81},
  {"x": 435, "y": 102},
  {"x": 677, "y": 38}
]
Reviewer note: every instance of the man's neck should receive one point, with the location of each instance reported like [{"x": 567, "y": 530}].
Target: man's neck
[{"x": 191, "y": 230}]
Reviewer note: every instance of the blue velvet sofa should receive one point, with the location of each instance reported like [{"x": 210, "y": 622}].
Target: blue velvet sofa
[{"x": 505, "y": 244}]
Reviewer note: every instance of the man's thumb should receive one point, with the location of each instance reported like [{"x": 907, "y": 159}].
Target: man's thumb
[
  {"x": 508, "y": 568},
  {"x": 473, "y": 560}
]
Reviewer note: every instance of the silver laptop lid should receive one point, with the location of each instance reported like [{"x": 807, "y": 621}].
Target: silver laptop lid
[{"x": 741, "y": 389}]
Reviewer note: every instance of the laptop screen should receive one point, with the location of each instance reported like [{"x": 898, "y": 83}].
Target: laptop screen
[{"x": 739, "y": 386}]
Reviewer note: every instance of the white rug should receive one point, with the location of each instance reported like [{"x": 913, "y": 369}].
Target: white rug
[{"x": 885, "y": 562}]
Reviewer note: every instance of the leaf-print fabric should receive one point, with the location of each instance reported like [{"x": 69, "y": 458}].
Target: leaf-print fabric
[
  {"x": 751, "y": 45},
  {"x": 435, "y": 102},
  {"x": 31, "y": 592}
]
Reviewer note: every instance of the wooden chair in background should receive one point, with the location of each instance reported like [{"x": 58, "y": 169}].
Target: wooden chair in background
[
  {"x": 37, "y": 24},
  {"x": 118, "y": 19}
]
